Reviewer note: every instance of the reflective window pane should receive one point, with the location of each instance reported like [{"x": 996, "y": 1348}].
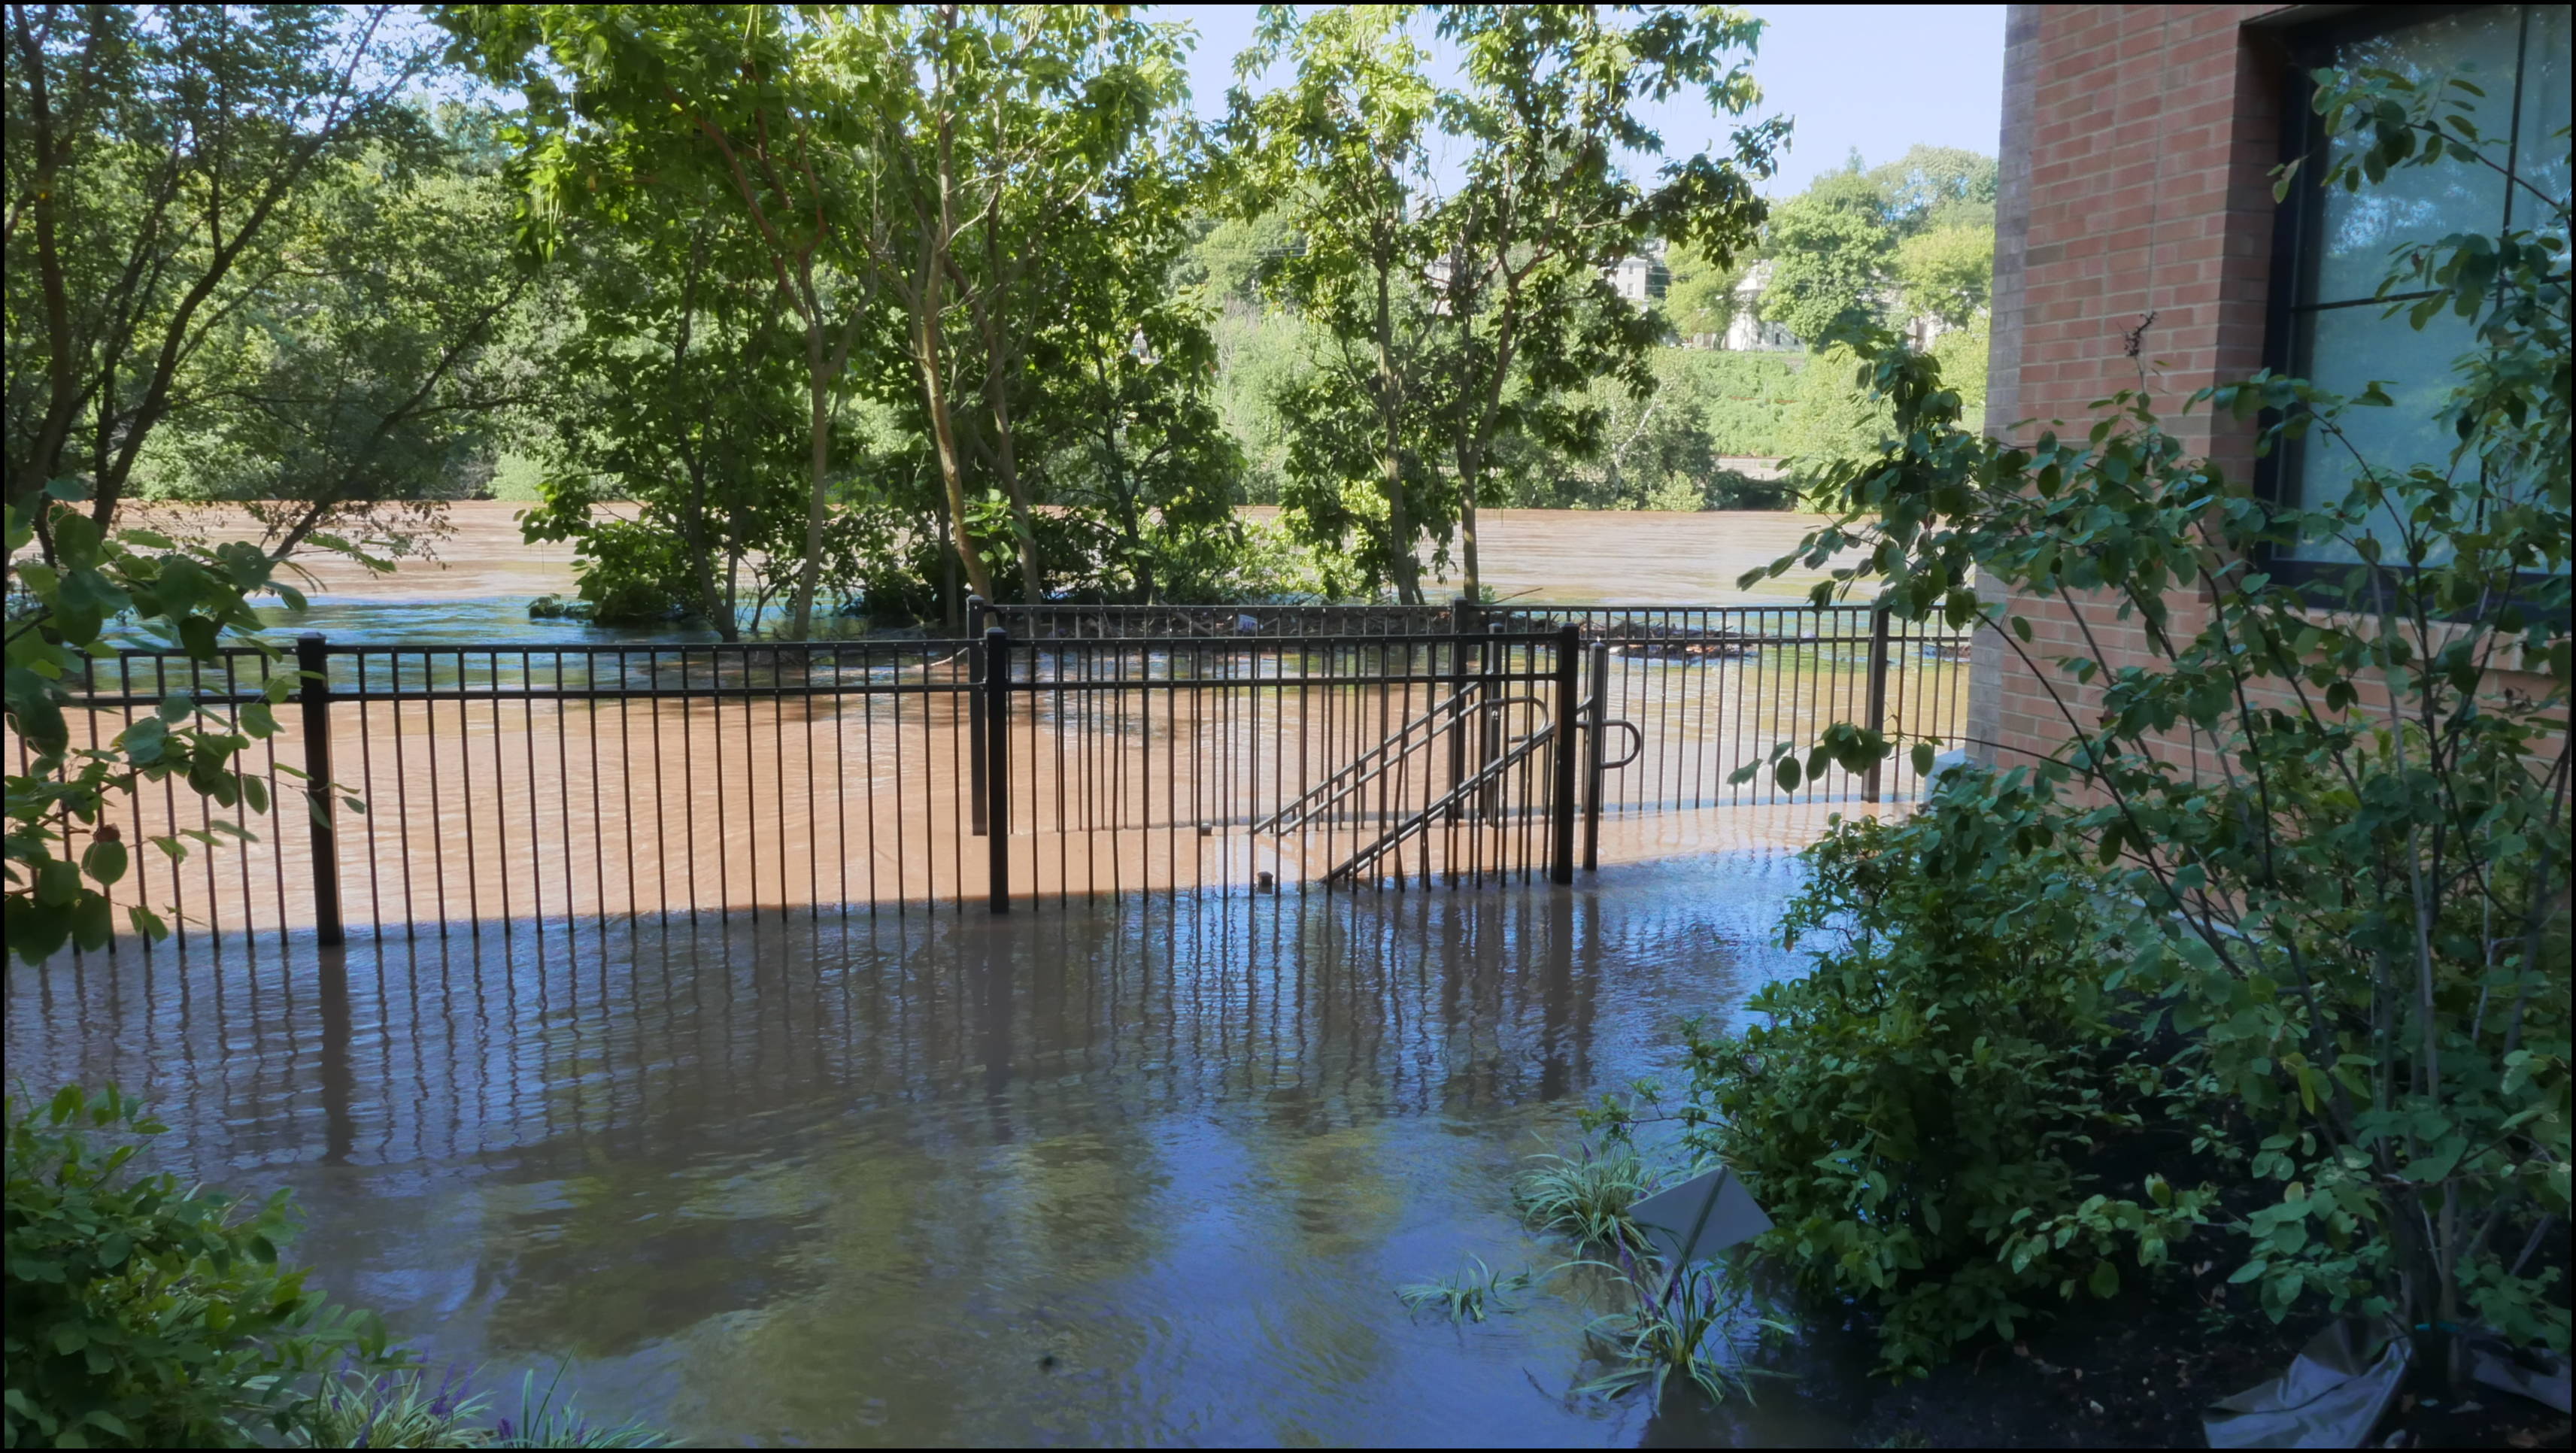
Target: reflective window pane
[
  {"x": 2353, "y": 347},
  {"x": 2426, "y": 203},
  {"x": 2541, "y": 159}
]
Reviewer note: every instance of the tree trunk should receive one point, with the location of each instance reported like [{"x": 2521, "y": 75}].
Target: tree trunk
[
  {"x": 943, "y": 435},
  {"x": 938, "y": 232},
  {"x": 693, "y": 533},
  {"x": 693, "y": 522},
  {"x": 1390, "y": 460},
  {"x": 800, "y": 620},
  {"x": 1131, "y": 524},
  {"x": 1470, "y": 474},
  {"x": 997, "y": 386}
]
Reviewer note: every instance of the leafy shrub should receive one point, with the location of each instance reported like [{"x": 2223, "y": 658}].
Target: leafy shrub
[
  {"x": 1918, "y": 1113},
  {"x": 2334, "y": 811},
  {"x": 142, "y": 1313}
]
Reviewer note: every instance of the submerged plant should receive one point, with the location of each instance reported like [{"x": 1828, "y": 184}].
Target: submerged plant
[
  {"x": 393, "y": 1410},
  {"x": 403, "y": 1409},
  {"x": 1697, "y": 1331},
  {"x": 1586, "y": 1198},
  {"x": 1469, "y": 1296},
  {"x": 543, "y": 1422},
  {"x": 1689, "y": 1323}
]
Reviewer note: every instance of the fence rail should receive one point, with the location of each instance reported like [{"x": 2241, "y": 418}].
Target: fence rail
[
  {"x": 1066, "y": 751},
  {"x": 1706, "y": 688}
]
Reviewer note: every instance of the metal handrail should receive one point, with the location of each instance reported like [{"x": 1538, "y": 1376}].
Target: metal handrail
[
  {"x": 1421, "y": 821},
  {"x": 1306, "y": 811},
  {"x": 1290, "y": 815}
]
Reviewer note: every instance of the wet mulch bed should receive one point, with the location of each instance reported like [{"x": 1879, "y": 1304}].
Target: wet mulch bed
[{"x": 2139, "y": 1371}]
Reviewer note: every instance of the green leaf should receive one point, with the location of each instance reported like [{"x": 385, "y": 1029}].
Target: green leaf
[
  {"x": 2105, "y": 1279},
  {"x": 104, "y": 861},
  {"x": 197, "y": 636}
]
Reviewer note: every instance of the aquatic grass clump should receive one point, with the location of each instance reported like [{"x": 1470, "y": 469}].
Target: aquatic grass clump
[
  {"x": 1691, "y": 1324},
  {"x": 544, "y": 1423},
  {"x": 1470, "y": 1295},
  {"x": 393, "y": 1410},
  {"x": 1586, "y": 1197},
  {"x": 403, "y": 1409},
  {"x": 1697, "y": 1331}
]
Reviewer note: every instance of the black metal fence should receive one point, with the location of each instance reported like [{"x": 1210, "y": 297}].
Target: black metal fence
[
  {"x": 1701, "y": 690},
  {"x": 1065, "y": 752},
  {"x": 508, "y": 783}
]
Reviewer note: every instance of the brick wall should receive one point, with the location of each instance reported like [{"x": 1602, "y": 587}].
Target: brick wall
[{"x": 2136, "y": 153}]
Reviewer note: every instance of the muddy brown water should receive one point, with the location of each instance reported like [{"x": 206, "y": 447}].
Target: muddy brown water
[
  {"x": 1564, "y": 557},
  {"x": 1092, "y": 1174},
  {"x": 1097, "y": 1172}
]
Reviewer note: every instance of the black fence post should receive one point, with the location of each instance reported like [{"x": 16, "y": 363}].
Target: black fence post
[
  {"x": 1569, "y": 646},
  {"x": 1597, "y": 727},
  {"x": 997, "y": 785},
  {"x": 975, "y": 659},
  {"x": 1869, "y": 782},
  {"x": 1465, "y": 619},
  {"x": 314, "y": 692}
]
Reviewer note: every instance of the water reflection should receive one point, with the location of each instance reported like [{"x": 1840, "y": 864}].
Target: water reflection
[{"x": 1143, "y": 1174}]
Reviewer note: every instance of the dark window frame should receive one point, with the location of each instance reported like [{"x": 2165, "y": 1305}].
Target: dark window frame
[{"x": 2299, "y": 219}]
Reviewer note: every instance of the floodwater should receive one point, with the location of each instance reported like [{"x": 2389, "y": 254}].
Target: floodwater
[
  {"x": 483, "y": 575},
  {"x": 1086, "y": 1174}
]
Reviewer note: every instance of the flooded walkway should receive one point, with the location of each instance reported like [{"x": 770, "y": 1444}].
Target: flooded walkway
[{"x": 1139, "y": 1173}]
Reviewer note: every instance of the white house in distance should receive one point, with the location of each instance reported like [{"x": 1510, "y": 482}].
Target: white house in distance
[
  {"x": 1639, "y": 279},
  {"x": 1745, "y": 330}
]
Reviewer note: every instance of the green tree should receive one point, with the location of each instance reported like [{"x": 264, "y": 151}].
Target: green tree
[
  {"x": 154, "y": 155},
  {"x": 355, "y": 389},
  {"x": 741, "y": 111},
  {"x": 1829, "y": 248},
  {"x": 679, "y": 389},
  {"x": 1125, "y": 372},
  {"x": 1661, "y": 450},
  {"x": 1523, "y": 317},
  {"x": 1342, "y": 152},
  {"x": 1931, "y": 187},
  {"x": 1947, "y": 273},
  {"x": 1700, "y": 301},
  {"x": 994, "y": 129},
  {"x": 1228, "y": 257},
  {"x": 1259, "y": 356}
]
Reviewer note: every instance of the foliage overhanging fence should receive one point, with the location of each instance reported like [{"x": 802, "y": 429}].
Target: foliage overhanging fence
[{"x": 1124, "y": 750}]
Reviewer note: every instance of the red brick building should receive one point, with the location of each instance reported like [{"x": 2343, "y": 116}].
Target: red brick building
[{"x": 2137, "y": 149}]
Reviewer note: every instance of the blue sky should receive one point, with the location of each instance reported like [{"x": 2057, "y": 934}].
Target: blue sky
[{"x": 1877, "y": 77}]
